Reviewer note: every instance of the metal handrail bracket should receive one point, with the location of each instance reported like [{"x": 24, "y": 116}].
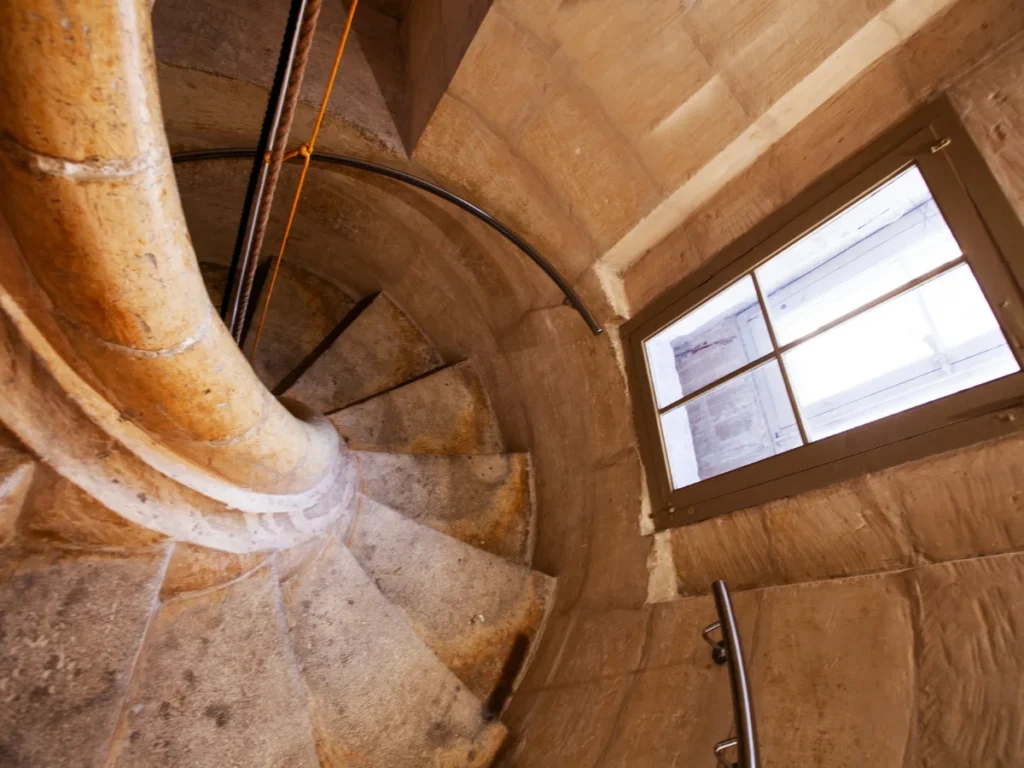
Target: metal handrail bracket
[{"x": 729, "y": 650}]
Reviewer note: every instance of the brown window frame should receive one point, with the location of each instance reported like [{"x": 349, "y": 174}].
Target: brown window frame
[{"x": 991, "y": 238}]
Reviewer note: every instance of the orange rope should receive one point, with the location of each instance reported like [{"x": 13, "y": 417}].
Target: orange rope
[{"x": 306, "y": 150}]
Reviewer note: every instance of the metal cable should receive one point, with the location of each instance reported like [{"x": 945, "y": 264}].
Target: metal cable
[
  {"x": 258, "y": 172},
  {"x": 306, "y": 150},
  {"x": 274, "y": 161}
]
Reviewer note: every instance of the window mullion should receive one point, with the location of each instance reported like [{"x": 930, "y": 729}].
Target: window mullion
[
  {"x": 778, "y": 356},
  {"x": 893, "y": 294},
  {"x": 718, "y": 382}
]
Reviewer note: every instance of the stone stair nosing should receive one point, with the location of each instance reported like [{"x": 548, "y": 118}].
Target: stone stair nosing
[
  {"x": 485, "y": 500},
  {"x": 379, "y": 350},
  {"x": 378, "y": 696},
  {"x": 446, "y": 412},
  {"x": 475, "y": 610}
]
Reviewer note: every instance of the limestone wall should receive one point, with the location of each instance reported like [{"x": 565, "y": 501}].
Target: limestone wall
[
  {"x": 915, "y": 664},
  {"x": 846, "y": 670}
]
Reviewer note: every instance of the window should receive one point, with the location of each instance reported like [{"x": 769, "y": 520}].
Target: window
[{"x": 872, "y": 321}]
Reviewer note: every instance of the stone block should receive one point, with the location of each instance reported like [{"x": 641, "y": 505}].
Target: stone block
[
  {"x": 963, "y": 504},
  {"x": 193, "y": 568},
  {"x": 505, "y": 72},
  {"x": 378, "y": 696},
  {"x": 476, "y": 611},
  {"x": 840, "y": 530},
  {"x": 486, "y": 501},
  {"x": 569, "y": 726},
  {"x": 970, "y": 676},
  {"x": 446, "y": 412},
  {"x": 217, "y": 677},
  {"x": 595, "y": 174},
  {"x": 60, "y": 512},
  {"x": 735, "y": 548},
  {"x": 832, "y": 672},
  {"x": 471, "y": 159},
  {"x": 604, "y": 644},
  {"x": 71, "y": 629},
  {"x": 380, "y": 350}
]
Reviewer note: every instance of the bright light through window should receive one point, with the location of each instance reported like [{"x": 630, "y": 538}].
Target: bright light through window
[{"x": 874, "y": 312}]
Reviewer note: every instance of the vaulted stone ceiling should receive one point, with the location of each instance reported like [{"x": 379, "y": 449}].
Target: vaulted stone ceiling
[{"x": 597, "y": 127}]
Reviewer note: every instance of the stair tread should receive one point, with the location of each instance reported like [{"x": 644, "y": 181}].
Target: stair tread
[
  {"x": 216, "y": 678},
  {"x": 72, "y": 627},
  {"x": 380, "y": 350},
  {"x": 483, "y": 500},
  {"x": 378, "y": 695},
  {"x": 445, "y": 412},
  {"x": 471, "y": 607}
]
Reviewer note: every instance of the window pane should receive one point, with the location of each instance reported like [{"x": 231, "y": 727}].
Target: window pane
[
  {"x": 887, "y": 239},
  {"x": 745, "y": 419},
  {"x": 712, "y": 341},
  {"x": 932, "y": 341}
]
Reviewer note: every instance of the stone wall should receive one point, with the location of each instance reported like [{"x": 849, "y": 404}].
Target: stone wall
[
  {"x": 915, "y": 668},
  {"x": 842, "y": 667}
]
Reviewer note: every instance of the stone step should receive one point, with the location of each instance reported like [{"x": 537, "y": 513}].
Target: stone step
[
  {"x": 476, "y": 611},
  {"x": 16, "y": 470},
  {"x": 444, "y": 412},
  {"x": 72, "y": 626},
  {"x": 217, "y": 684},
  {"x": 381, "y": 349},
  {"x": 379, "y": 698},
  {"x": 485, "y": 500}
]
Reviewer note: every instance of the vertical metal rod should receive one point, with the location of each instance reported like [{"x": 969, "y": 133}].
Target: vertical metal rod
[
  {"x": 778, "y": 356},
  {"x": 743, "y": 708},
  {"x": 235, "y": 321}
]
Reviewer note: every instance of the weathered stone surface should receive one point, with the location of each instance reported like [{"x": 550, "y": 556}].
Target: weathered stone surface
[
  {"x": 304, "y": 309},
  {"x": 966, "y": 503},
  {"x": 445, "y": 412},
  {"x": 961, "y": 504},
  {"x": 567, "y": 726},
  {"x": 732, "y": 547},
  {"x": 571, "y": 144},
  {"x": 291, "y": 561},
  {"x": 216, "y": 683},
  {"x": 991, "y": 105},
  {"x": 602, "y": 644},
  {"x": 221, "y": 38},
  {"x": 486, "y": 501},
  {"x": 60, "y": 512},
  {"x": 472, "y": 159},
  {"x": 970, "y": 677},
  {"x": 474, "y": 609},
  {"x": 831, "y": 667},
  {"x": 854, "y": 527},
  {"x": 16, "y": 470},
  {"x": 71, "y": 628},
  {"x": 193, "y": 568},
  {"x": 87, "y": 179},
  {"x": 378, "y": 696},
  {"x": 380, "y": 350},
  {"x": 503, "y": 71}
]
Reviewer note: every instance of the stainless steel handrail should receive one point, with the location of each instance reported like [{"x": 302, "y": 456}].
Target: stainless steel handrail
[{"x": 729, "y": 650}]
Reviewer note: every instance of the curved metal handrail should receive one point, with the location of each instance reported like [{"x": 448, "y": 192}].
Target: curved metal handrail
[
  {"x": 729, "y": 650},
  {"x": 393, "y": 173}
]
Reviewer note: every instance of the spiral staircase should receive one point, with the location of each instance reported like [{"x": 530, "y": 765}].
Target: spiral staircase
[
  {"x": 400, "y": 631},
  {"x": 195, "y": 571}
]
